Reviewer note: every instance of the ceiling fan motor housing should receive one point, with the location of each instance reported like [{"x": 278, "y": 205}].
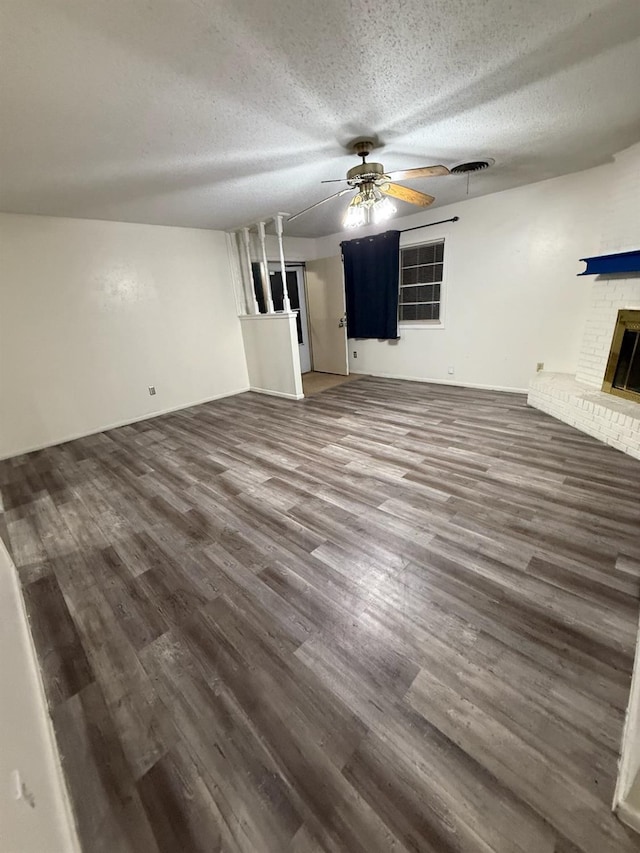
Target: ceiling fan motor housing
[
  {"x": 365, "y": 172},
  {"x": 362, "y": 146}
]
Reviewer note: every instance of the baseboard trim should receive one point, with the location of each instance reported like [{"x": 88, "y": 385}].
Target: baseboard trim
[
  {"x": 126, "y": 422},
  {"x": 458, "y": 384},
  {"x": 629, "y": 815},
  {"x": 283, "y": 394}
]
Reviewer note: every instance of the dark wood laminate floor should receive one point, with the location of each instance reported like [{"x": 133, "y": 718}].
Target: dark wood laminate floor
[{"x": 393, "y": 617}]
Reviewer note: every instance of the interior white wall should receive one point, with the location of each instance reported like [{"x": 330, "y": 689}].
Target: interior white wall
[
  {"x": 40, "y": 819},
  {"x": 512, "y": 298},
  {"x": 626, "y": 800},
  {"x": 273, "y": 354},
  {"x": 92, "y": 313},
  {"x": 296, "y": 249}
]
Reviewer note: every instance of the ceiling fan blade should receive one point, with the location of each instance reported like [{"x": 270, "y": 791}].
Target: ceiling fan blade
[
  {"x": 334, "y": 181},
  {"x": 318, "y": 203},
  {"x": 422, "y": 172},
  {"x": 407, "y": 194}
]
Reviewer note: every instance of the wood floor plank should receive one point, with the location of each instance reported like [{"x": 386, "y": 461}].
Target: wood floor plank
[
  {"x": 180, "y": 807},
  {"x": 390, "y": 617},
  {"x": 63, "y": 662},
  {"x": 255, "y": 811},
  {"x": 520, "y": 767},
  {"x": 108, "y": 811}
]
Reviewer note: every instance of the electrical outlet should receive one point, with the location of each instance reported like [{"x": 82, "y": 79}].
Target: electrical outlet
[
  {"x": 355, "y": 353},
  {"x": 539, "y": 366},
  {"x": 450, "y": 371},
  {"x": 16, "y": 784},
  {"x": 152, "y": 390}
]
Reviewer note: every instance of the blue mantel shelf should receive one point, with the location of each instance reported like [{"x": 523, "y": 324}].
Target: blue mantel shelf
[{"x": 611, "y": 264}]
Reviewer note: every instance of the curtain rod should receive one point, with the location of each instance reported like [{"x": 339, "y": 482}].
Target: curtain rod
[
  {"x": 404, "y": 230},
  {"x": 429, "y": 224}
]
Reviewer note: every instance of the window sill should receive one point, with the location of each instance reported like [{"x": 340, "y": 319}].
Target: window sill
[{"x": 421, "y": 325}]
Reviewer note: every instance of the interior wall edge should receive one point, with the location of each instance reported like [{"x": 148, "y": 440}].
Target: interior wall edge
[
  {"x": 629, "y": 815},
  {"x": 283, "y": 394},
  {"x": 427, "y": 381},
  {"x": 629, "y": 762},
  {"x": 38, "y": 758},
  {"x": 126, "y": 422},
  {"x": 271, "y": 351}
]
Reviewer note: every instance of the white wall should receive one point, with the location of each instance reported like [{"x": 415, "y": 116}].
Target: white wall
[
  {"x": 92, "y": 313},
  {"x": 512, "y": 297},
  {"x": 41, "y": 818},
  {"x": 273, "y": 354},
  {"x": 626, "y": 800},
  {"x": 296, "y": 249}
]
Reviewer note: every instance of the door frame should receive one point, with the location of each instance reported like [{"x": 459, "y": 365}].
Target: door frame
[
  {"x": 299, "y": 269},
  {"x": 345, "y": 369}
]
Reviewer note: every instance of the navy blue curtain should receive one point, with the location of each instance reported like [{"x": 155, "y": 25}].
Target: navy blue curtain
[
  {"x": 257, "y": 287},
  {"x": 371, "y": 271}
]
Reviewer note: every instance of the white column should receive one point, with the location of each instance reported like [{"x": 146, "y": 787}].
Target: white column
[
  {"x": 264, "y": 267},
  {"x": 237, "y": 273},
  {"x": 248, "y": 273},
  {"x": 278, "y": 222}
]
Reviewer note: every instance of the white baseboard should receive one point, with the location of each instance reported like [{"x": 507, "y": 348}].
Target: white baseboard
[
  {"x": 126, "y": 422},
  {"x": 277, "y": 394},
  {"x": 629, "y": 815},
  {"x": 441, "y": 382}
]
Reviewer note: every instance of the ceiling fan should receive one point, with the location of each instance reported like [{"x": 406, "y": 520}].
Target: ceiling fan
[{"x": 373, "y": 186}]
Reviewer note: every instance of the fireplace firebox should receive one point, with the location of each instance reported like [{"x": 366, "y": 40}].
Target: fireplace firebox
[{"x": 622, "y": 376}]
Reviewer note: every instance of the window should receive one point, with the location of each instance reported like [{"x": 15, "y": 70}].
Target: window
[{"x": 421, "y": 270}]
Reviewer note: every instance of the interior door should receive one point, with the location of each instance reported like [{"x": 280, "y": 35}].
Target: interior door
[
  {"x": 326, "y": 308},
  {"x": 295, "y": 290}
]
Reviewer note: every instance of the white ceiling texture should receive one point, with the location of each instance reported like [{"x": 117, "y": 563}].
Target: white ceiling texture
[{"x": 214, "y": 113}]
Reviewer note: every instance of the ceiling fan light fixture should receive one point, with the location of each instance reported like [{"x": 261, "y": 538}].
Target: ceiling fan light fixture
[
  {"x": 383, "y": 209},
  {"x": 372, "y": 185},
  {"x": 356, "y": 214},
  {"x": 369, "y": 205}
]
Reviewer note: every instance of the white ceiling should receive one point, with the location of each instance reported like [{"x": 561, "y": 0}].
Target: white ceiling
[{"x": 213, "y": 113}]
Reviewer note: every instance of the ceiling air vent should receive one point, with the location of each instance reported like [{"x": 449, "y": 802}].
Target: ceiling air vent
[{"x": 471, "y": 166}]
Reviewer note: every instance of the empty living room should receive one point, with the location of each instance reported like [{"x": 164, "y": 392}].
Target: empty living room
[{"x": 320, "y": 426}]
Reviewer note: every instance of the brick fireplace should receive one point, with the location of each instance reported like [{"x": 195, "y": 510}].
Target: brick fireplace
[
  {"x": 622, "y": 376},
  {"x": 579, "y": 399}
]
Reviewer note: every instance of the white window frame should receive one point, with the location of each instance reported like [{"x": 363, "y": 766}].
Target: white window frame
[{"x": 416, "y": 239}]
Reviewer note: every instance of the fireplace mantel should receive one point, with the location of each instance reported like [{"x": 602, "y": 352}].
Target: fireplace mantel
[{"x": 621, "y": 262}]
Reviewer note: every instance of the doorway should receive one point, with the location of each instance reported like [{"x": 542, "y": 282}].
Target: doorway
[
  {"x": 325, "y": 290},
  {"x": 295, "y": 289}
]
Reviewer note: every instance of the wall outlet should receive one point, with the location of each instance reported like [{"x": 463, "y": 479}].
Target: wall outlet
[
  {"x": 355, "y": 353},
  {"x": 450, "y": 371},
  {"x": 539, "y": 366},
  {"x": 16, "y": 784},
  {"x": 152, "y": 390}
]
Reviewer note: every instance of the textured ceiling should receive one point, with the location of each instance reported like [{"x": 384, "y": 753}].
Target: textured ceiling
[{"x": 213, "y": 113}]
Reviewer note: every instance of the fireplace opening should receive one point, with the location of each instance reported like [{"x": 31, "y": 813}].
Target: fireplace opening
[{"x": 622, "y": 376}]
